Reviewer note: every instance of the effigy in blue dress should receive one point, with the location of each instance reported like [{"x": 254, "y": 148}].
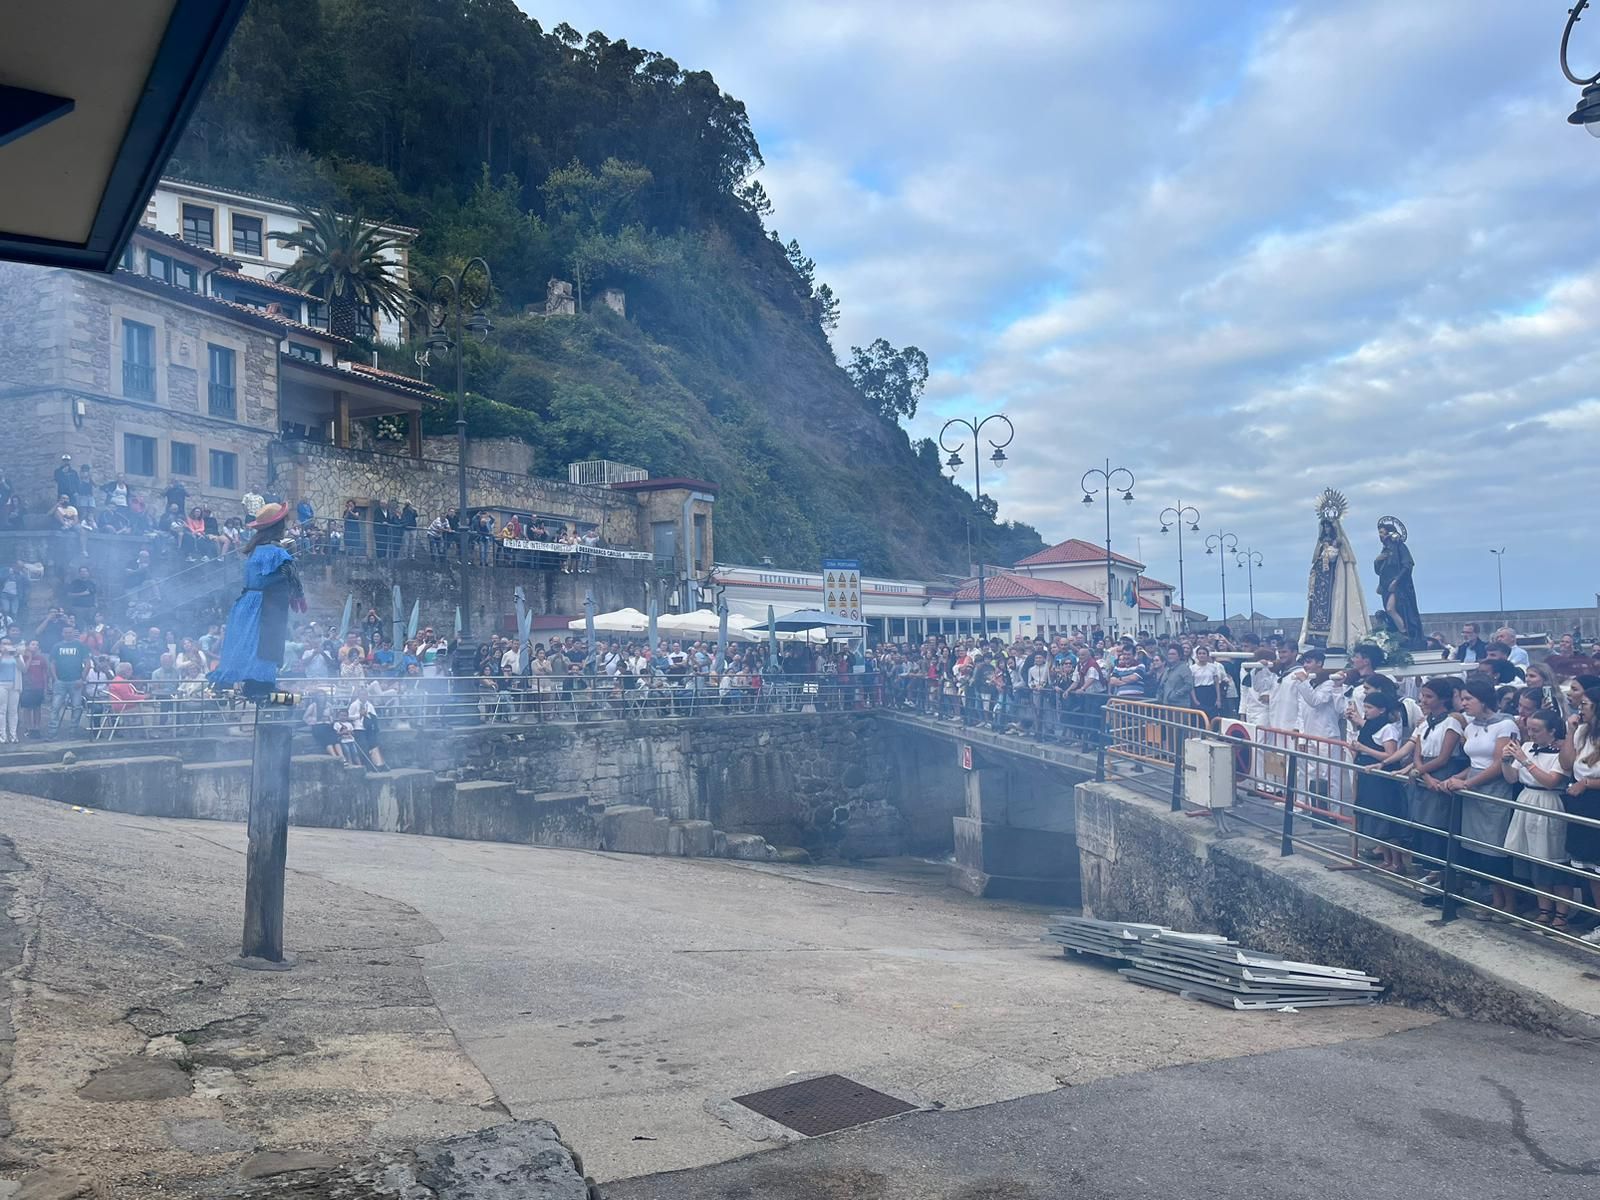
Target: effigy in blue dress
[{"x": 258, "y": 624}]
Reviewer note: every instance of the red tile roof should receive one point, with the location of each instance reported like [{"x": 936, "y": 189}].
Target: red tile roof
[
  {"x": 1022, "y": 587},
  {"x": 194, "y": 248},
  {"x": 394, "y": 377},
  {"x": 1148, "y": 605},
  {"x": 1147, "y": 584},
  {"x": 271, "y": 285},
  {"x": 1075, "y": 550},
  {"x": 288, "y": 323}
]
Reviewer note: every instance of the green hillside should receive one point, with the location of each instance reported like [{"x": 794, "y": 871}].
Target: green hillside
[{"x": 553, "y": 155}]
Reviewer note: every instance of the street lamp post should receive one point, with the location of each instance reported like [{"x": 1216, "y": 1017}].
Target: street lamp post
[
  {"x": 1250, "y": 559},
  {"x": 1109, "y": 477},
  {"x": 998, "y": 458},
  {"x": 448, "y": 305},
  {"x": 1222, "y": 545},
  {"x": 1587, "y": 112},
  {"x": 1178, "y": 516},
  {"x": 1500, "y": 579}
]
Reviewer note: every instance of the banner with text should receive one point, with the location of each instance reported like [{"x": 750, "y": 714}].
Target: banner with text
[{"x": 841, "y": 587}]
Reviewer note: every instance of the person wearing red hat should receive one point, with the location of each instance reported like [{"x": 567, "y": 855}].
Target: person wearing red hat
[{"x": 258, "y": 623}]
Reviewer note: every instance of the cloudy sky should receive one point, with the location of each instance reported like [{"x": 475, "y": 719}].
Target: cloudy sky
[{"x": 1247, "y": 250}]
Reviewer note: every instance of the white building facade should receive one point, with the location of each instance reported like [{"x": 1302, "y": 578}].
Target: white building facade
[{"x": 239, "y": 225}]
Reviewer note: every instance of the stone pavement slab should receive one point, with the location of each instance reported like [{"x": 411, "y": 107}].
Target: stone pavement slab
[
  {"x": 627, "y": 998},
  {"x": 1452, "y": 1110}
]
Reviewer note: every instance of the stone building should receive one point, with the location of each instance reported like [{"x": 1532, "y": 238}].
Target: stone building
[{"x": 154, "y": 376}]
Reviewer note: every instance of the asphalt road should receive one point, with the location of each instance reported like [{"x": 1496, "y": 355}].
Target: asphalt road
[{"x": 1450, "y": 1111}]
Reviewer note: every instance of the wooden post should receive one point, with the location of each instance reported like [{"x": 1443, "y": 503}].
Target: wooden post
[
  {"x": 341, "y": 421},
  {"x": 269, "y": 841}
]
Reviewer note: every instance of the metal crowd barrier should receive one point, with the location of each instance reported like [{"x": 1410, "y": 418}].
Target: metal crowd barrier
[
  {"x": 165, "y": 709},
  {"x": 1146, "y": 732},
  {"x": 1317, "y": 794}
]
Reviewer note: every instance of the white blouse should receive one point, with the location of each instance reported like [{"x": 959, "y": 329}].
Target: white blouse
[
  {"x": 1581, "y": 769},
  {"x": 1480, "y": 741},
  {"x": 1430, "y": 742},
  {"x": 1206, "y": 674}
]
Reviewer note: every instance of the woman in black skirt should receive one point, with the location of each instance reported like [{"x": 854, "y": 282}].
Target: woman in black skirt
[
  {"x": 1437, "y": 756},
  {"x": 1580, "y": 759},
  {"x": 1379, "y": 795}
]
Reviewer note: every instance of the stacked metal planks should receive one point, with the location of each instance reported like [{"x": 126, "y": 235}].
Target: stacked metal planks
[{"x": 1201, "y": 966}]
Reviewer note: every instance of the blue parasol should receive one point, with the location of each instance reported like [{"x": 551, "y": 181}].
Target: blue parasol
[
  {"x": 772, "y": 634},
  {"x": 655, "y": 636},
  {"x": 349, "y": 611},
  {"x": 416, "y": 619},
  {"x": 722, "y": 637},
  {"x": 399, "y": 620}
]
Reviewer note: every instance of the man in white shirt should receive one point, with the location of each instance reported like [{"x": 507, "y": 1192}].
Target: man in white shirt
[
  {"x": 1283, "y": 698},
  {"x": 1256, "y": 680},
  {"x": 1320, "y": 709},
  {"x": 1507, "y": 637}
]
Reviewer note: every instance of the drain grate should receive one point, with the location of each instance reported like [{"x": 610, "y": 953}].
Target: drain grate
[{"x": 823, "y": 1105}]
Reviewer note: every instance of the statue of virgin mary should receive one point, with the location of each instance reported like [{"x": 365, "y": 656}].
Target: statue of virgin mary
[{"x": 1336, "y": 612}]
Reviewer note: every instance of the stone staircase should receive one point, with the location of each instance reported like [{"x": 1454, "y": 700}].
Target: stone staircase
[{"x": 328, "y": 794}]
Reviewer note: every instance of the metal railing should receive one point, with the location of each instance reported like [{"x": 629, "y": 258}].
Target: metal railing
[
  {"x": 603, "y": 472},
  {"x": 222, "y": 399},
  {"x": 138, "y": 381},
  {"x": 1146, "y": 732},
  {"x": 361, "y": 538},
  {"x": 157, "y": 709},
  {"x": 1391, "y": 824}
]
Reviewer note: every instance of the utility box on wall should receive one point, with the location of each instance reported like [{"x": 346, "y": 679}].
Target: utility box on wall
[{"x": 1208, "y": 773}]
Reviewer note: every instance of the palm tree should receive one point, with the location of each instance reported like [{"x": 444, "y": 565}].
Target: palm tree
[{"x": 350, "y": 264}]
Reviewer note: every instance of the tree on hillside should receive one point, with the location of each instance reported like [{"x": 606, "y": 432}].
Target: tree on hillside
[
  {"x": 754, "y": 197},
  {"x": 347, "y": 262},
  {"x": 827, "y": 308},
  {"x": 804, "y": 267},
  {"x": 890, "y": 380}
]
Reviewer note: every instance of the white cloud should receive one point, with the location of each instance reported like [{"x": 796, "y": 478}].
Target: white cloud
[{"x": 1250, "y": 251}]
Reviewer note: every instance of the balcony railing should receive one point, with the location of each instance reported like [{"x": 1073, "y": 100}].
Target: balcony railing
[
  {"x": 222, "y": 400},
  {"x": 138, "y": 381},
  {"x": 602, "y": 472}
]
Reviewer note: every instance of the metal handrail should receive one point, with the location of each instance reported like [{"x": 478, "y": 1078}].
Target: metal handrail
[{"x": 1447, "y": 890}]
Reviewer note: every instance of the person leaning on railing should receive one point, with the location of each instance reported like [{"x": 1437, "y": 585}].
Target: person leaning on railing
[
  {"x": 1484, "y": 818},
  {"x": 1534, "y": 767},
  {"x": 1580, "y": 758},
  {"x": 1436, "y": 756},
  {"x": 1377, "y": 746}
]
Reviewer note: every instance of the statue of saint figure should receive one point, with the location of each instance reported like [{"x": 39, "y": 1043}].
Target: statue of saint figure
[
  {"x": 1395, "y": 587},
  {"x": 1336, "y": 613}
]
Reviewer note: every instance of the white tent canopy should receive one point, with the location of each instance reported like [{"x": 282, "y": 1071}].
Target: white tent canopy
[
  {"x": 624, "y": 620},
  {"x": 703, "y": 623}
]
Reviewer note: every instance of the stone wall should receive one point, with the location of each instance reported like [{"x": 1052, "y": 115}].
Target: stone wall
[
  {"x": 823, "y": 781},
  {"x": 617, "y": 583},
  {"x": 489, "y": 454},
  {"x": 62, "y": 331},
  {"x": 1142, "y": 862},
  {"x": 329, "y": 476}
]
